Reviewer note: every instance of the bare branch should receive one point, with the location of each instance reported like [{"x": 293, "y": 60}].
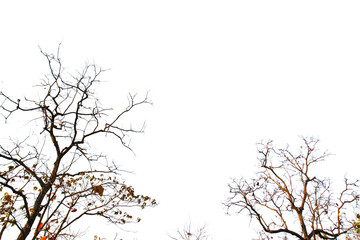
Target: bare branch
[
  {"x": 47, "y": 186},
  {"x": 285, "y": 198}
]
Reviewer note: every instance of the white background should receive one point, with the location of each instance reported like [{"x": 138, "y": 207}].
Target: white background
[{"x": 223, "y": 75}]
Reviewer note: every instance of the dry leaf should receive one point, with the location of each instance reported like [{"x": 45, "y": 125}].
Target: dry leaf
[{"x": 99, "y": 189}]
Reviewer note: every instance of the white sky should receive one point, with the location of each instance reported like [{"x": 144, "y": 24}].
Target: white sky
[{"x": 222, "y": 75}]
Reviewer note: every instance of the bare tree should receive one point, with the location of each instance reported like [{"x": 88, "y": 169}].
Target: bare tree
[
  {"x": 53, "y": 178},
  {"x": 188, "y": 233},
  {"x": 287, "y": 199}
]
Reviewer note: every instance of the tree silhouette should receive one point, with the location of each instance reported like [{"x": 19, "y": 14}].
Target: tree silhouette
[
  {"x": 288, "y": 199},
  {"x": 189, "y": 233},
  {"x": 53, "y": 178}
]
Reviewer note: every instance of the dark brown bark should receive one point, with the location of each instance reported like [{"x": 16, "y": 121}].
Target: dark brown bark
[{"x": 45, "y": 187}]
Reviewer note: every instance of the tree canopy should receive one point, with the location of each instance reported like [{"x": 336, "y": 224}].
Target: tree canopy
[
  {"x": 53, "y": 177},
  {"x": 288, "y": 199}
]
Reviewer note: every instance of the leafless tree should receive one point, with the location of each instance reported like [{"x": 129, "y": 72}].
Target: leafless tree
[
  {"x": 53, "y": 178},
  {"x": 188, "y": 233},
  {"x": 288, "y": 199}
]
